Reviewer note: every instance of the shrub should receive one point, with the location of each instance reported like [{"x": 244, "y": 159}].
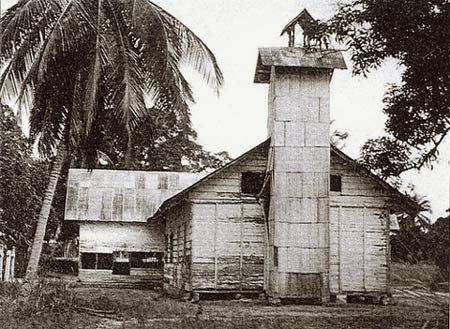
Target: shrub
[{"x": 35, "y": 305}]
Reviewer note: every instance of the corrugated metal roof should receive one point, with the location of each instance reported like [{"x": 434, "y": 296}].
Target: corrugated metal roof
[
  {"x": 296, "y": 57},
  {"x": 120, "y": 195}
]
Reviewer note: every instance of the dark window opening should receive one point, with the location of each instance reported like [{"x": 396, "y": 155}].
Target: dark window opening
[
  {"x": 104, "y": 261},
  {"x": 252, "y": 183},
  {"x": 88, "y": 261},
  {"x": 146, "y": 259},
  {"x": 171, "y": 248},
  {"x": 335, "y": 183},
  {"x": 275, "y": 256},
  {"x": 96, "y": 261},
  {"x": 121, "y": 264},
  {"x": 121, "y": 268}
]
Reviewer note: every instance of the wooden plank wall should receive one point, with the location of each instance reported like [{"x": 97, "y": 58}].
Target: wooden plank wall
[
  {"x": 359, "y": 233},
  {"x": 228, "y": 246},
  {"x": 177, "y": 273},
  {"x": 101, "y": 237},
  {"x": 228, "y": 231}
]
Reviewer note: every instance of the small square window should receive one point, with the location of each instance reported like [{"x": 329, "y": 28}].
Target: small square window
[
  {"x": 104, "y": 261},
  {"x": 251, "y": 182},
  {"x": 335, "y": 183},
  {"x": 88, "y": 261}
]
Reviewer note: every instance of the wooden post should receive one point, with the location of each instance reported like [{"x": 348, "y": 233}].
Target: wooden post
[
  {"x": 13, "y": 262},
  {"x": 339, "y": 249},
  {"x": 388, "y": 251},
  {"x": 216, "y": 274},
  {"x": 240, "y": 247},
  {"x": 8, "y": 266},
  {"x": 364, "y": 247},
  {"x": 2, "y": 248}
]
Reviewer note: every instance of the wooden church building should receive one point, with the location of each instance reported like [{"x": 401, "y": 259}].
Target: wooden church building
[{"x": 293, "y": 217}]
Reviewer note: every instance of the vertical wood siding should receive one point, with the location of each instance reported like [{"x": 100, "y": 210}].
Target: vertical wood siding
[
  {"x": 228, "y": 230},
  {"x": 177, "y": 272},
  {"x": 359, "y": 231}
]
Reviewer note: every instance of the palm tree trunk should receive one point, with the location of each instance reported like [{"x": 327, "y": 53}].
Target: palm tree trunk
[
  {"x": 129, "y": 153},
  {"x": 38, "y": 239}
]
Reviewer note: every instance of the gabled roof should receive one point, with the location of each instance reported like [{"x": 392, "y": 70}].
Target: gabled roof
[
  {"x": 175, "y": 199},
  {"x": 385, "y": 185},
  {"x": 169, "y": 203},
  {"x": 295, "y": 57},
  {"x": 300, "y": 19}
]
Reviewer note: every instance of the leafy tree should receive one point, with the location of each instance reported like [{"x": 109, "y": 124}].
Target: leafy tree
[
  {"x": 22, "y": 184},
  {"x": 416, "y": 33},
  {"x": 78, "y": 65},
  {"x": 162, "y": 142},
  {"x": 410, "y": 243},
  {"x": 439, "y": 246}
]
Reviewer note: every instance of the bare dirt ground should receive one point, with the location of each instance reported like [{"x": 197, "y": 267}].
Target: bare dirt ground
[{"x": 152, "y": 309}]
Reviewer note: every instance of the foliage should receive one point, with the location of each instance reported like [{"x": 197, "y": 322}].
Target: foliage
[
  {"x": 402, "y": 272},
  {"x": 439, "y": 247},
  {"x": 163, "y": 142},
  {"x": 45, "y": 305},
  {"x": 22, "y": 183},
  {"x": 81, "y": 65},
  {"x": 419, "y": 240},
  {"x": 416, "y": 33}
]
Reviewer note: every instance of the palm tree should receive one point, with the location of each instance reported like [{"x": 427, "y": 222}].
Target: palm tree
[{"x": 82, "y": 67}]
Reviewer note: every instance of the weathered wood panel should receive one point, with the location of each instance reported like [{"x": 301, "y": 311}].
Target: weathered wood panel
[
  {"x": 118, "y": 195},
  {"x": 358, "y": 250},
  {"x": 177, "y": 271},
  {"x": 226, "y": 185},
  {"x": 103, "y": 237},
  {"x": 109, "y": 237},
  {"x": 151, "y": 277},
  {"x": 227, "y": 246}
]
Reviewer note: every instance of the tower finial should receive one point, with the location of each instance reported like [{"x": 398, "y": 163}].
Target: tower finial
[{"x": 313, "y": 30}]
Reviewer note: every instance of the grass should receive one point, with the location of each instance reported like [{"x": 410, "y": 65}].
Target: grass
[
  {"x": 403, "y": 273},
  {"x": 41, "y": 305},
  {"x": 53, "y": 305},
  {"x": 151, "y": 309}
]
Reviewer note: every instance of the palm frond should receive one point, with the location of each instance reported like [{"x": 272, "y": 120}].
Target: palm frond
[
  {"x": 126, "y": 76},
  {"x": 26, "y": 16},
  {"x": 195, "y": 51}
]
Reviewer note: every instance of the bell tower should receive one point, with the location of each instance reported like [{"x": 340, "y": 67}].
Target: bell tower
[{"x": 297, "y": 241}]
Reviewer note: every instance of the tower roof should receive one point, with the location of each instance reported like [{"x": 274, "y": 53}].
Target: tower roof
[{"x": 295, "y": 57}]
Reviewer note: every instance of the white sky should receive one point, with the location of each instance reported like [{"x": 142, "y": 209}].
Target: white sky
[{"x": 236, "y": 120}]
